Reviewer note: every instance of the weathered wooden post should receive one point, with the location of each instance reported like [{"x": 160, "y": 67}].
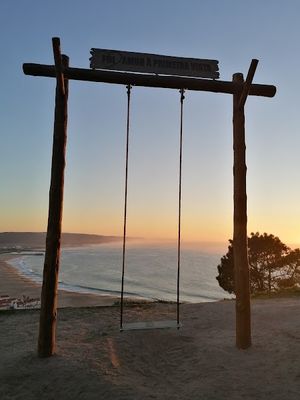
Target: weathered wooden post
[
  {"x": 240, "y": 239},
  {"x": 48, "y": 315}
]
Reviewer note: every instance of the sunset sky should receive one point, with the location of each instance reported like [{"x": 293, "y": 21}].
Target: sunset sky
[{"x": 231, "y": 31}]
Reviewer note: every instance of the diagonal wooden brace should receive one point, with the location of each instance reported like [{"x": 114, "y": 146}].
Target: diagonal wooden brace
[
  {"x": 58, "y": 64},
  {"x": 248, "y": 82}
]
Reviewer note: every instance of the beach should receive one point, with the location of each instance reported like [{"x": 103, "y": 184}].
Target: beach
[
  {"x": 199, "y": 361},
  {"x": 14, "y": 287}
]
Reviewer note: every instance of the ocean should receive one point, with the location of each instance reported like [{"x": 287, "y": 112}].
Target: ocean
[{"x": 150, "y": 271}]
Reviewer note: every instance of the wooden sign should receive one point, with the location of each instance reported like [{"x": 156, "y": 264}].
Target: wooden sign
[{"x": 153, "y": 63}]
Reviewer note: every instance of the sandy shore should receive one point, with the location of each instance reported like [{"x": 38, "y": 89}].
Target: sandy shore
[
  {"x": 15, "y": 286},
  {"x": 198, "y": 362}
]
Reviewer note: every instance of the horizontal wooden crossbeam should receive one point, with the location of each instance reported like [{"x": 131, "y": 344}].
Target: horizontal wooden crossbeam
[{"x": 170, "y": 82}]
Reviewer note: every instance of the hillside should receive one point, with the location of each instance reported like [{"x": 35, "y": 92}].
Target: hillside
[{"x": 36, "y": 240}]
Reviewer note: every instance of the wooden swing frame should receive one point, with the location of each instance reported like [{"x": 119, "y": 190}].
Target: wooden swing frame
[{"x": 240, "y": 90}]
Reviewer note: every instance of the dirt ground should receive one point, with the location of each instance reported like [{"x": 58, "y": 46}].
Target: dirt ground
[{"x": 199, "y": 361}]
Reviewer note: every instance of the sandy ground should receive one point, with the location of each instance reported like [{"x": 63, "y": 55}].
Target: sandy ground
[{"x": 199, "y": 361}]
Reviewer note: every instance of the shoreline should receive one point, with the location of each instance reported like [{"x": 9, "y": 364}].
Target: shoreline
[
  {"x": 21, "y": 283},
  {"x": 15, "y": 287}
]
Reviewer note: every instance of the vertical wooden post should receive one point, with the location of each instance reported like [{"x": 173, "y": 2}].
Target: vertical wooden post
[
  {"x": 240, "y": 245},
  {"x": 48, "y": 315}
]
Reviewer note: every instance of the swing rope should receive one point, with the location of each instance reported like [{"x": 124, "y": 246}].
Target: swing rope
[
  {"x": 129, "y": 87},
  {"x": 179, "y": 201}
]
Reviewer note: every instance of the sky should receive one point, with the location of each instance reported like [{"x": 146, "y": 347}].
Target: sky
[{"x": 231, "y": 31}]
